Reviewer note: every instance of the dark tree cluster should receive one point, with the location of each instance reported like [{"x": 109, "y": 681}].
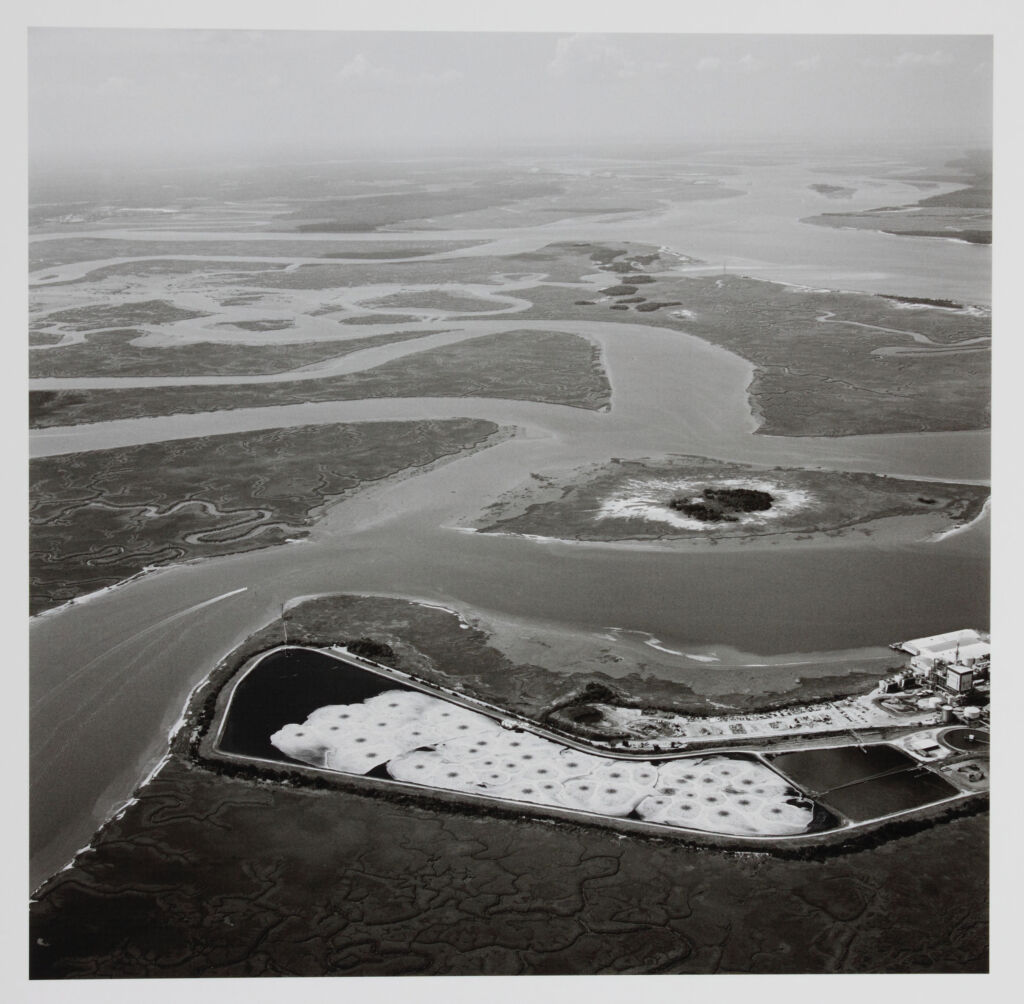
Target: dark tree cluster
[
  {"x": 367, "y": 648},
  {"x": 720, "y": 505}
]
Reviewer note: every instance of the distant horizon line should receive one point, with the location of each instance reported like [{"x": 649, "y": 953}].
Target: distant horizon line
[{"x": 619, "y": 150}]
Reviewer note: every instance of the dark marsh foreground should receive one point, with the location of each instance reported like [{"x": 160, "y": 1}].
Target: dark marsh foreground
[{"x": 214, "y": 876}]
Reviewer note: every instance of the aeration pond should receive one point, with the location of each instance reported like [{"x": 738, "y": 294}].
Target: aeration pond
[{"x": 296, "y": 706}]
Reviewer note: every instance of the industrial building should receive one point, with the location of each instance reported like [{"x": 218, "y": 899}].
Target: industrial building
[
  {"x": 948, "y": 672},
  {"x": 965, "y": 647},
  {"x": 953, "y": 662}
]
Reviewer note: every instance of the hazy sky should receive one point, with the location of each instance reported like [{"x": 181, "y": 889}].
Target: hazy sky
[{"x": 204, "y": 95}]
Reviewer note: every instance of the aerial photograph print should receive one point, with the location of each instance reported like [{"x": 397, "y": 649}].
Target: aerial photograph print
[{"x": 507, "y": 503}]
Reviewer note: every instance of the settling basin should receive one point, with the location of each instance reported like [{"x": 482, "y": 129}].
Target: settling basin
[{"x": 864, "y": 782}]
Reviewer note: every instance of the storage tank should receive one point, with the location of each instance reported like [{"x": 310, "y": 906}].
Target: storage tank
[
  {"x": 971, "y": 713},
  {"x": 947, "y": 714}
]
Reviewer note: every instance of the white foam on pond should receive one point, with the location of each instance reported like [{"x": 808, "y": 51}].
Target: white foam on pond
[
  {"x": 727, "y": 795},
  {"x": 648, "y": 499},
  {"x": 356, "y": 738},
  {"x": 431, "y": 742}
]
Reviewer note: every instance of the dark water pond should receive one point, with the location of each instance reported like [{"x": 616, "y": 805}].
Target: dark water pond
[
  {"x": 849, "y": 782},
  {"x": 823, "y": 769},
  {"x": 285, "y": 687},
  {"x": 894, "y": 793}
]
